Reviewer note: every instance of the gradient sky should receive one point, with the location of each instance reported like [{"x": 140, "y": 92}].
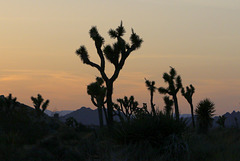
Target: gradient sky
[{"x": 200, "y": 39}]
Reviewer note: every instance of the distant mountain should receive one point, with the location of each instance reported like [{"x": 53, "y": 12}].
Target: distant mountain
[
  {"x": 84, "y": 115},
  {"x": 229, "y": 122},
  {"x": 232, "y": 119},
  {"x": 61, "y": 113}
]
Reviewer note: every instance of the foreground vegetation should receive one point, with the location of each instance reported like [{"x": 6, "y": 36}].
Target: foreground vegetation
[
  {"x": 29, "y": 135},
  {"x": 145, "y": 138}
]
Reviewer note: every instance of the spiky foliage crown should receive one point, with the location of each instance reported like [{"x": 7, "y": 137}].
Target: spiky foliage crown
[
  {"x": 188, "y": 93},
  {"x": 174, "y": 82},
  {"x": 38, "y": 101},
  {"x": 205, "y": 110},
  {"x": 128, "y": 103},
  {"x": 150, "y": 85},
  {"x": 111, "y": 52},
  {"x": 96, "y": 89}
]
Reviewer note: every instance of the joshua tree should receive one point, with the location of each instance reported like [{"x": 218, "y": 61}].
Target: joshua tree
[
  {"x": 8, "y": 104},
  {"x": 168, "y": 106},
  {"x": 205, "y": 111},
  {"x": 151, "y": 87},
  {"x": 71, "y": 122},
  {"x": 128, "y": 107},
  {"x": 188, "y": 95},
  {"x": 221, "y": 121},
  {"x": 115, "y": 54},
  {"x": 174, "y": 84},
  {"x": 39, "y": 103},
  {"x": 98, "y": 92}
]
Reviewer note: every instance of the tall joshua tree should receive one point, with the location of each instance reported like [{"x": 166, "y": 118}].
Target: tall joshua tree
[
  {"x": 115, "y": 54},
  {"x": 39, "y": 103},
  {"x": 174, "y": 85},
  {"x": 98, "y": 92},
  {"x": 188, "y": 95},
  {"x": 151, "y": 87}
]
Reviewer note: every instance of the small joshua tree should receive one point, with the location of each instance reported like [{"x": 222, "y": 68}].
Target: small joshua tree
[
  {"x": 98, "y": 92},
  {"x": 115, "y": 54},
  {"x": 151, "y": 87},
  {"x": 39, "y": 104},
  {"x": 174, "y": 85},
  {"x": 221, "y": 121},
  {"x": 127, "y": 107},
  {"x": 168, "y": 106},
  {"x": 71, "y": 122},
  {"x": 8, "y": 104},
  {"x": 205, "y": 111},
  {"x": 188, "y": 95}
]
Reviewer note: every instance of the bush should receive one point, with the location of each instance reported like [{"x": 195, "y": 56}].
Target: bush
[{"x": 153, "y": 129}]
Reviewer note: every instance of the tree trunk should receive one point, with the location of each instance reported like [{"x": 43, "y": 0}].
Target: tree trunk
[
  {"x": 152, "y": 105},
  {"x": 176, "y": 107},
  {"x": 100, "y": 113},
  {"x": 109, "y": 85},
  {"x": 193, "y": 122}
]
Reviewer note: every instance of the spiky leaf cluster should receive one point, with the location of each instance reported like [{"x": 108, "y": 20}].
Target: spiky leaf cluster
[
  {"x": 112, "y": 53},
  {"x": 188, "y": 93},
  {"x": 8, "y": 104},
  {"x": 168, "y": 105},
  {"x": 136, "y": 40},
  {"x": 38, "y": 103},
  {"x": 205, "y": 111},
  {"x": 96, "y": 89},
  {"x": 174, "y": 82},
  {"x": 120, "y": 31},
  {"x": 99, "y": 40},
  {"x": 150, "y": 85},
  {"x": 82, "y": 52}
]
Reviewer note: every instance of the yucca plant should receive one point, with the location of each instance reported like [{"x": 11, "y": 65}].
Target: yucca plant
[{"x": 205, "y": 112}]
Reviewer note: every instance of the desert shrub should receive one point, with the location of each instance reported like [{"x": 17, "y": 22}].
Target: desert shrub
[
  {"x": 175, "y": 149},
  {"x": 154, "y": 129}
]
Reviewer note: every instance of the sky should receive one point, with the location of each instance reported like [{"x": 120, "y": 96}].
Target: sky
[{"x": 200, "y": 39}]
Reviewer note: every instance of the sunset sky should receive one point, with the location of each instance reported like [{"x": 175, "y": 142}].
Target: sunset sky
[{"x": 200, "y": 39}]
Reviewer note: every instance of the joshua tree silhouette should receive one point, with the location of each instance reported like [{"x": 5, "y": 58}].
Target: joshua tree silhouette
[
  {"x": 128, "y": 107},
  {"x": 39, "y": 103},
  {"x": 188, "y": 95},
  {"x": 8, "y": 104},
  {"x": 151, "y": 87},
  {"x": 205, "y": 111},
  {"x": 174, "y": 84},
  {"x": 71, "y": 122},
  {"x": 116, "y": 54},
  {"x": 98, "y": 92},
  {"x": 168, "y": 106}
]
